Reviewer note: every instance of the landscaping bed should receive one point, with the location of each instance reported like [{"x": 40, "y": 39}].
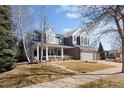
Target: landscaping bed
[
  {"x": 29, "y": 74},
  {"x": 80, "y": 66}
]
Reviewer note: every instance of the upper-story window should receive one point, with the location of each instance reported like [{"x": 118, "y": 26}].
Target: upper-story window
[
  {"x": 36, "y": 37},
  {"x": 50, "y": 38},
  {"x": 74, "y": 39},
  {"x": 84, "y": 41},
  {"x": 61, "y": 41}
]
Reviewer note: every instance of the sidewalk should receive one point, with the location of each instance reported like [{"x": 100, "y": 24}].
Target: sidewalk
[{"x": 74, "y": 81}]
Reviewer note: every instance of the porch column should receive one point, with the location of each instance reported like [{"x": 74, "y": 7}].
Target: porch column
[
  {"x": 32, "y": 54},
  {"x": 62, "y": 52},
  {"x": 41, "y": 53},
  {"x": 37, "y": 52},
  {"x": 47, "y": 53}
]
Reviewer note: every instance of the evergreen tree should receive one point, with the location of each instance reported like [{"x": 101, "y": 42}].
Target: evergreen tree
[
  {"x": 7, "y": 40},
  {"x": 101, "y": 51}
]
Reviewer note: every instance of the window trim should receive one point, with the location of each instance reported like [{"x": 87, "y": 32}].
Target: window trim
[{"x": 84, "y": 40}]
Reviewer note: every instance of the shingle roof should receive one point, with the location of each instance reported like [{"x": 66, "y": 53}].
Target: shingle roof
[
  {"x": 59, "y": 35},
  {"x": 73, "y": 31},
  {"x": 70, "y": 32},
  {"x": 34, "y": 32}
]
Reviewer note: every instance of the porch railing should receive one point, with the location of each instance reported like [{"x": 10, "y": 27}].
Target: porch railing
[{"x": 55, "y": 57}]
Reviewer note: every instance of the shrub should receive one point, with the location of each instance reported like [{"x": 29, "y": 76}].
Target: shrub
[{"x": 7, "y": 64}]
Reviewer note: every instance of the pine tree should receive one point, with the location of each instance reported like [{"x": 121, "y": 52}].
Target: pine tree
[
  {"x": 7, "y": 39},
  {"x": 101, "y": 51}
]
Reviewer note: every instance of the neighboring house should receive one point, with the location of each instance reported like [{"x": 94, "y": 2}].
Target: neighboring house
[
  {"x": 113, "y": 54},
  {"x": 73, "y": 45}
]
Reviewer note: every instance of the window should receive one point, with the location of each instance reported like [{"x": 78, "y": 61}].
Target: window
[
  {"x": 61, "y": 41},
  {"x": 36, "y": 37},
  {"x": 50, "y": 38},
  {"x": 52, "y": 51},
  {"x": 75, "y": 40},
  {"x": 49, "y": 52},
  {"x": 59, "y": 53},
  {"x": 85, "y": 41},
  {"x": 82, "y": 40},
  {"x": 44, "y": 52},
  {"x": 57, "y": 40}
]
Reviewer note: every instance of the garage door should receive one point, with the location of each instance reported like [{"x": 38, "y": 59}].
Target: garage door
[{"x": 87, "y": 56}]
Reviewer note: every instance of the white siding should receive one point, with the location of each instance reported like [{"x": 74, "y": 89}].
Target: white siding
[
  {"x": 84, "y": 39},
  {"x": 50, "y": 37}
]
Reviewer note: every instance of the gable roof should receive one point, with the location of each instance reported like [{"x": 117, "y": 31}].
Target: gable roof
[
  {"x": 80, "y": 30},
  {"x": 35, "y": 32},
  {"x": 58, "y": 35},
  {"x": 76, "y": 31},
  {"x": 70, "y": 33},
  {"x": 50, "y": 29}
]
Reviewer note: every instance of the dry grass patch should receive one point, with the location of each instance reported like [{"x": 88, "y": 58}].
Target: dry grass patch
[
  {"x": 25, "y": 75},
  {"x": 83, "y": 66},
  {"x": 108, "y": 82}
]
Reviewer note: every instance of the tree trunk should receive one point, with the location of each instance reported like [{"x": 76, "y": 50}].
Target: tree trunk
[
  {"x": 20, "y": 22},
  {"x": 26, "y": 53},
  {"x": 122, "y": 55}
]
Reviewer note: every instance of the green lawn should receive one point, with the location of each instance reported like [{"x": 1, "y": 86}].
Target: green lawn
[
  {"x": 25, "y": 75},
  {"x": 83, "y": 66},
  {"x": 108, "y": 82}
]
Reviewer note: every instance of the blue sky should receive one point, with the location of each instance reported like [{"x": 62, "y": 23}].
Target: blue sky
[{"x": 62, "y": 19}]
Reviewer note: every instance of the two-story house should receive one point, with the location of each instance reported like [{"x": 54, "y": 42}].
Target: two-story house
[{"x": 72, "y": 45}]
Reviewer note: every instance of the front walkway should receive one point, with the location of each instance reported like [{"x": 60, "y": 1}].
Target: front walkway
[{"x": 74, "y": 81}]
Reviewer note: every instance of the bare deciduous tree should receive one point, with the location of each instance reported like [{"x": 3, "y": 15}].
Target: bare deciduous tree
[
  {"x": 43, "y": 27},
  {"x": 23, "y": 19},
  {"x": 110, "y": 16}
]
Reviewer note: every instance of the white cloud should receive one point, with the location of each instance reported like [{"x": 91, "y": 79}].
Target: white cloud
[
  {"x": 71, "y": 11},
  {"x": 72, "y": 15},
  {"x": 67, "y": 8}
]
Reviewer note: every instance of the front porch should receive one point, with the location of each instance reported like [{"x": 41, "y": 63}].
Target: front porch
[{"x": 49, "y": 52}]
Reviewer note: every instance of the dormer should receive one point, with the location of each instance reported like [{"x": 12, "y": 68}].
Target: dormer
[
  {"x": 76, "y": 36},
  {"x": 50, "y": 36},
  {"x": 34, "y": 36},
  {"x": 73, "y": 37}
]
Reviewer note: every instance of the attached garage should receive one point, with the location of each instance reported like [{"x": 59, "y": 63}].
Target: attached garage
[{"x": 86, "y": 56}]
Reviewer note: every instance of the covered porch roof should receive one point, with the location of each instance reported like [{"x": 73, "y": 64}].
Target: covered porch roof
[{"x": 52, "y": 45}]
